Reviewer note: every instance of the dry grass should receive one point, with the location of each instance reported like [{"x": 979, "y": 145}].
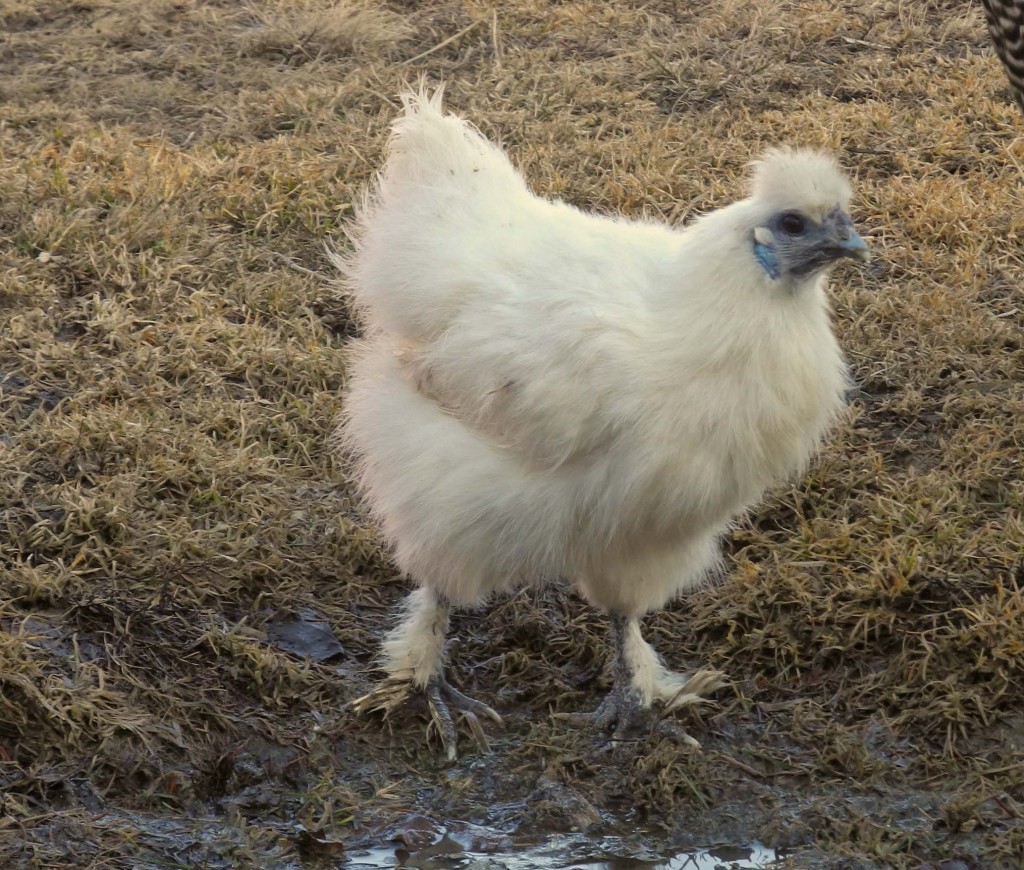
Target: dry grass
[{"x": 172, "y": 358}]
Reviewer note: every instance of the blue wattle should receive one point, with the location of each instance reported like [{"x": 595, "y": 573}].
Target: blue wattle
[{"x": 766, "y": 257}]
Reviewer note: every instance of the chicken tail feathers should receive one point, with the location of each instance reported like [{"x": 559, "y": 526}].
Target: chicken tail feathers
[
  {"x": 423, "y": 228},
  {"x": 428, "y": 146}
]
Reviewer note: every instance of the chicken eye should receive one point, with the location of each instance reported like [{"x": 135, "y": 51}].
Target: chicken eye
[{"x": 793, "y": 224}]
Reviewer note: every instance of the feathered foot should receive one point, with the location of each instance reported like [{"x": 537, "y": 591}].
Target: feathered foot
[
  {"x": 389, "y": 693},
  {"x": 413, "y": 656},
  {"x": 441, "y": 697},
  {"x": 640, "y": 680}
]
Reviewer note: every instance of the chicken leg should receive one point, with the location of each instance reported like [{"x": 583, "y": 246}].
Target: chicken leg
[
  {"x": 640, "y": 678},
  {"x": 413, "y": 658}
]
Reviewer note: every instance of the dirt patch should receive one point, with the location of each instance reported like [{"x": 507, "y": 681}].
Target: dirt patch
[{"x": 191, "y": 597}]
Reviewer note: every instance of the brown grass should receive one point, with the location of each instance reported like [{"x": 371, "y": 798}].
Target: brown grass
[{"x": 172, "y": 360}]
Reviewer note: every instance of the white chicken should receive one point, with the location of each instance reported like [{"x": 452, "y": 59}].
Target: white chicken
[{"x": 543, "y": 393}]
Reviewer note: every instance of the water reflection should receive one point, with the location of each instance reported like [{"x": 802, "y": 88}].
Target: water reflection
[
  {"x": 752, "y": 857},
  {"x": 563, "y": 853}
]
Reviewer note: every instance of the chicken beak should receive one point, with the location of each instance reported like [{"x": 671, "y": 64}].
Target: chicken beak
[
  {"x": 854, "y": 247},
  {"x": 844, "y": 240}
]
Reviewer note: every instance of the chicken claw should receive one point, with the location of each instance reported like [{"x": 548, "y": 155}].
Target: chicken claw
[{"x": 440, "y": 694}]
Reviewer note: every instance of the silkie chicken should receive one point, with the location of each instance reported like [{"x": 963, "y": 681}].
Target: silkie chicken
[{"x": 543, "y": 393}]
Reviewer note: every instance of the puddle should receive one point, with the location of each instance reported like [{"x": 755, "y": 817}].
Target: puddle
[
  {"x": 571, "y": 852},
  {"x": 752, "y": 857}
]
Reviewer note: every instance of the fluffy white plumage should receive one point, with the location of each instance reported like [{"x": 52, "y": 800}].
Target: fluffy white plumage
[{"x": 545, "y": 393}]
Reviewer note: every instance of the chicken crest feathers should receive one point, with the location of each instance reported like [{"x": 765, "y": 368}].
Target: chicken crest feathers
[{"x": 799, "y": 178}]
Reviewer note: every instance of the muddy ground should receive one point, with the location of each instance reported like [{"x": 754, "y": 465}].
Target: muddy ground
[{"x": 190, "y": 595}]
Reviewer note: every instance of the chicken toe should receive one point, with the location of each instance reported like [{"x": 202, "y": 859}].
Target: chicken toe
[{"x": 441, "y": 698}]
